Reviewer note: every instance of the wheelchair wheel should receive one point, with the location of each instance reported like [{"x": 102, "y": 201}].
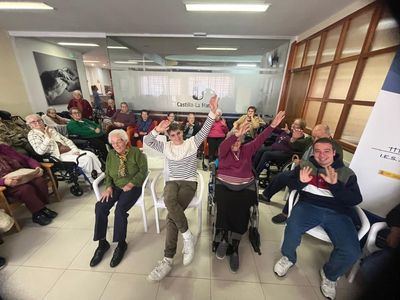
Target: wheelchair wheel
[{"x": 76, "y": 190}]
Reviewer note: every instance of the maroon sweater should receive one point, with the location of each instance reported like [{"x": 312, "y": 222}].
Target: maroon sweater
[{"x": 241, "y": 168}]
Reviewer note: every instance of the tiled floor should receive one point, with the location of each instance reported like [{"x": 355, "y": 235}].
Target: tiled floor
[{"x": 52, "y": 262}]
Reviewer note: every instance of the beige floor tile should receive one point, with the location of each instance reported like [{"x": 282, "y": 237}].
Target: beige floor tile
[
  {"x": 79, "y": 285},
  {"x": 200, "y": 266},
  {"x": 247, "y": 271},
  {"x": 81, "y": 220},
  {"x": 5, "y": 273},
  {"x": 61, "y": 249},
  {"x": 265, "y": 263},
  {"x": 144, "y": 250},
  {"x": 173, "y": 288},
  {"x": 30, "y": 283},
  {"x": 18, "y": 247},
  {"x": 130, "y": 287},
  {"x": 288, "y": 292},
  {"x": 231, "y": 290}
]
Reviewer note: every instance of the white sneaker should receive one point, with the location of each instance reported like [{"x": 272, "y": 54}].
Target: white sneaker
[
  {"x": 282, "y": 266},
  {"x": 188, "y": 249},
  {"x": 328, "y": 287},
  {"x": 162, "y": 269}
]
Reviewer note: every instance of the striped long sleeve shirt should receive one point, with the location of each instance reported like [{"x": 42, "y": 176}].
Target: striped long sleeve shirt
[{"x": 181, "y": 159}]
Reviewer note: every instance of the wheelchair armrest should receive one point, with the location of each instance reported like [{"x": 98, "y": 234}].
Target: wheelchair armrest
[{"x": 46, "y": 165}]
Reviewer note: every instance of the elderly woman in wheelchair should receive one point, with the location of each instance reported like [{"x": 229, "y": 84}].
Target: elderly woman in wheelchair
[
  {"x": 45, "y": 140},
  {"x": 235, "y": 191}
]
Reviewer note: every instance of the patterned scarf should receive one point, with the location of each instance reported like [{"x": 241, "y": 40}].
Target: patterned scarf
[{"x": 122, "y": 168}]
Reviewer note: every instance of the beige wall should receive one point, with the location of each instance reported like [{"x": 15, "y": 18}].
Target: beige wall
[{"x": 13, "y": 96}]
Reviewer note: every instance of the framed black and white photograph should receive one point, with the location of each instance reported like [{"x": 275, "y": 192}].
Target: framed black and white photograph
[{"x": 59, "y": 77}]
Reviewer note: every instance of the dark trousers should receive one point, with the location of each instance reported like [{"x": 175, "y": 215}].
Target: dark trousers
[
  {"x": 339, "y": 228},
  {"x": 213, "y": 144},
  {"x": 266, "y": 154},
  {"x": 34, "y": 194},
  {"x": 277, "y": 183},
  {"x": 125, "y": 201}
]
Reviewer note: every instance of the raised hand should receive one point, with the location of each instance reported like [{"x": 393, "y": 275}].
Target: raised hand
[
  {"x": 163, "y": 126},
  {"x": 242, "y": 129},
  {"x": 286, "y": 128},
  {"x": 214, "y": 104},
  {"x": 331, "y": 175},
  {"x": 278, "y": 119},
  {"x": 305, "y": 174}
]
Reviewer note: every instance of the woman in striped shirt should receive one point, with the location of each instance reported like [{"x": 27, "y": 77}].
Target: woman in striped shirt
[
  {"x": 235, "y": 189},
  {"x": 180, "y": 186}
]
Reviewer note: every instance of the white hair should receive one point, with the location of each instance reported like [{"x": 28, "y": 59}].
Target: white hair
[
  {"x": 30, "y": 118},
  {"x": 120, "y": 133},
  {"x": 76, "y": 92},
  {"x": 50, "y": 109}
]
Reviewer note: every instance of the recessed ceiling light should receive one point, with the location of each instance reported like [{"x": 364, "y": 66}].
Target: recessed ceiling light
[
  {"x": 91, "y": 61},
  {"x": 247, "y": 65},
  {"x": 117, "y": 47},
  {"x": 13, "y": 5},
  {"x": 125, "y": 62},
  {"x": 218, "y": 48},
  {"x": 235, "y": 7},
  {"x": 78, "y": 44}
]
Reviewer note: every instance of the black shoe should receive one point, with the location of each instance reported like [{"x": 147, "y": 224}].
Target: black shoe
[
  {"x": 2, "y": 262},
  {"x": 264, "y": 199},
  {"x": 41, "y": 219},
  {"x": 234, "y": 262},
  {"x": 263, "y": 183},
  {"x": 118, "y": 254},
  {"x": 279, "y": 219},
  {"x": 99, "y": 253},
  {"x": 49, "y": 213}
]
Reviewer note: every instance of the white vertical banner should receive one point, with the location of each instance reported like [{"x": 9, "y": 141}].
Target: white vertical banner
[{"x": 377, "y": 158}]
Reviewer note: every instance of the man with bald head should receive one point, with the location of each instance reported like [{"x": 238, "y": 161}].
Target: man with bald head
[{"x": 280, "y": 180}]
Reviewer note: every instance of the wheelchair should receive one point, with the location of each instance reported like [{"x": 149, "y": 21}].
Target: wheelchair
[
  {"x": 84, "y": 144},
  {"x": 273, "y": 168},
  {"x": 254, "y": 235}
]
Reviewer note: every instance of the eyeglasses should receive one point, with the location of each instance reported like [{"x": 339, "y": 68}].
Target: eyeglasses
[
  {"x": 118, "y": 142},
  {"x": 178, "y": 133}
]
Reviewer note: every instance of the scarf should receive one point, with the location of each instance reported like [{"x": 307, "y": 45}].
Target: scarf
[{"x": 122, "y": 168}]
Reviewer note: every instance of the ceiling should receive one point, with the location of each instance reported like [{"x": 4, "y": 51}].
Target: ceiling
[{"x": 283, "y": 18}]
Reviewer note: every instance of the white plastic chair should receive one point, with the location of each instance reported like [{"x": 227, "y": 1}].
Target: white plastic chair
[
  {"x": 155, "y": 159},
  {"x": 140, "y": 202},
  {"x": 319, "y": 233},
  {"x": 196, "y": 202}
]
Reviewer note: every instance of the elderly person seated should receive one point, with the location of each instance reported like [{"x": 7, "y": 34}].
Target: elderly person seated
[
  {"x": 217, "y": 134},
  {"x": 143, "y": 126},
  {"x": 235, "y": 190},
  {"x": 123, "y": 118},
  {"x": 254, "y": 120},
  {"x": 126, "y": 170},
  {"x": 110, "y": 110},
  {"x": 29, "y": 188},
  {"x": 88, "y": 130},
  {"x": 191, "y": 127},
  {"x": 287, "y": 143},
  {"x": 53, "y": 120},
  {"x": 46, "y": 140},
  {"x": 82, "y": 104}
]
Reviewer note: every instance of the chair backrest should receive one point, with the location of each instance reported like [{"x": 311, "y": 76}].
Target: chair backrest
[{"x": 155, "y": 159}]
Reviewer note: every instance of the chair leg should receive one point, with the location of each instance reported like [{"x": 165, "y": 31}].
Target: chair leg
[
  {"x": 54, "y": 185},
  {"x": 354, "y": 271},
  {"x": 199, "y": 216},
  {"x": 9, "y": 211},
  {"x": 144, "y": 218},
  {"x": 157, "y": 220}
]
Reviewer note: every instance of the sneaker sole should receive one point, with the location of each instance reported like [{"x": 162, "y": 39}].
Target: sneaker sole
[
  {"x": 220, "y": 257},
  {"x": 320, "y": 288}
]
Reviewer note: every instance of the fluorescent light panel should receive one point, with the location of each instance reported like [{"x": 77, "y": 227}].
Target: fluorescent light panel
[
  {"x": 229, "y": 7},
  {"x": 247, "y": 65},
  {"x": 125, "y": 62},
  {"x": 140, "y": 60},
  {"x": 117, "y": 47},
  {"x": 12, "y": 5},
  {"x": 91, "y": 61},
  {"x": 78, "y": 44},
  {"x": 217, "y": 48}
]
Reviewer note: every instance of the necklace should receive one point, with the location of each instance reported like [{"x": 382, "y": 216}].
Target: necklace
[{"x": 236, "y": 156}]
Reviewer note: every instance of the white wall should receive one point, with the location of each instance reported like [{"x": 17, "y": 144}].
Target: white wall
[{"x": 24, "y": 48}]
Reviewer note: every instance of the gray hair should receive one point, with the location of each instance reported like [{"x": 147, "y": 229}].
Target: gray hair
[
  {"x": 120, "y": 133},
  {"x": 50, "y": 109},
  {"x": 76, "y": 92},
  {"x": 30, "y": 118}
]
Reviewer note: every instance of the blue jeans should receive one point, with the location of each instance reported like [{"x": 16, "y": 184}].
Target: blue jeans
[{"x": 339, "y": 228}]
